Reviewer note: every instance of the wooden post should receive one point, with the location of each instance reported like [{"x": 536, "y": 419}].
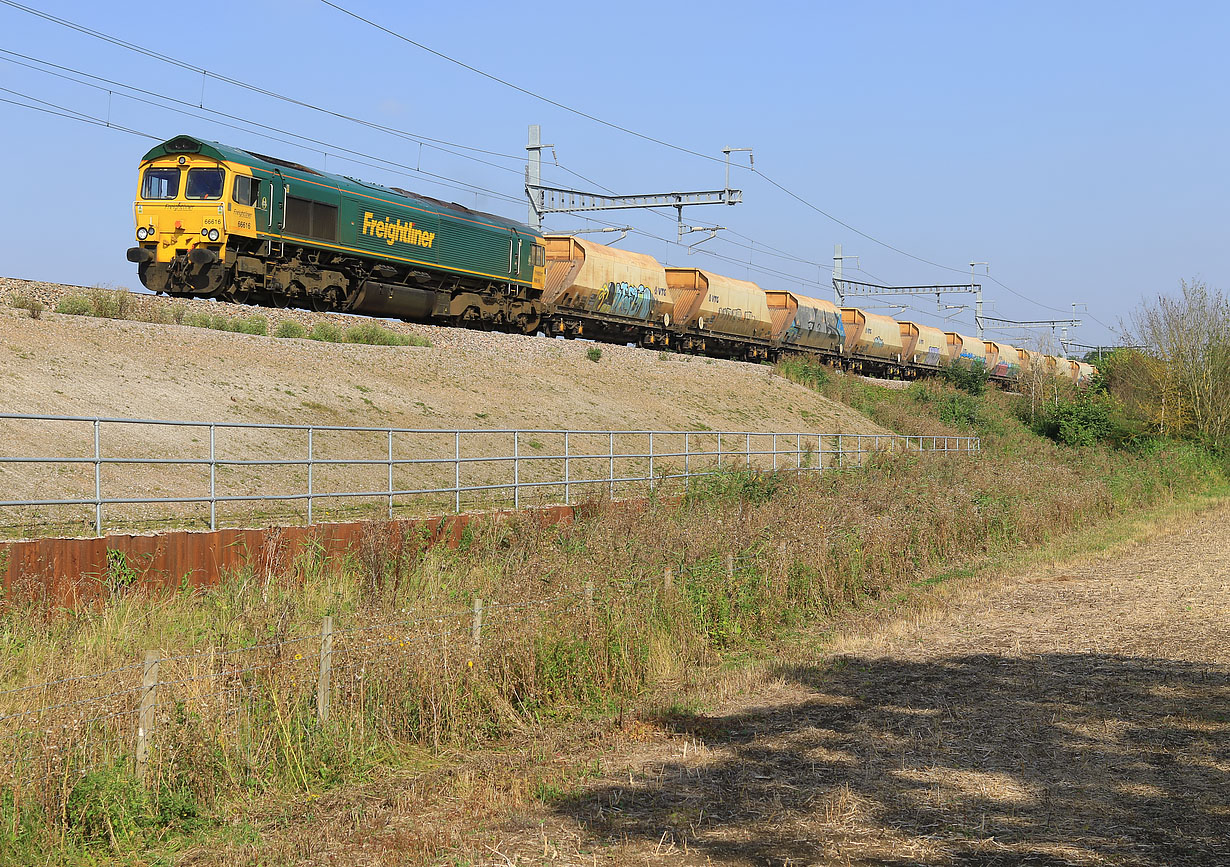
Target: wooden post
[
  {"x": 730, "y": 566},
  {"x": 145, "y": 718},
  {"x": 476, "y": 630},
  {"x": 668, "y": 580},
  {"x": 589, "y": 603},
  {"x": 326, "y": 666}
]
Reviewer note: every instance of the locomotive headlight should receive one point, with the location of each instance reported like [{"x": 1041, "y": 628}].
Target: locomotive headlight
[
  {"x": 204, "y": 233},
  {"x": 142, "y": 233},
  {"x": 213, "y": 234}
]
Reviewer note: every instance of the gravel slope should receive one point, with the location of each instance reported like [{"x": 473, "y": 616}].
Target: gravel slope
[{"x": 85, "y": 366}]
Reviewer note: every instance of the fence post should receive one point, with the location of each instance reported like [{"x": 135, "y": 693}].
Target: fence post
[
  {"x": 567, "y": 471},
  {"x": 311, "y": 464},
  {"x": 719, "y": 450},
  {"x": 476, "y": 627},
  {"x": 748, "y": 451},
  {"x": 97, "y": 478},
  {"x": 145, "y": 716},
  {"x": 841, "y": 455},
  {"x": 668, "y": 580},
  {"x": 687, "y": 457},
  {"x": 457, "y": 471},
  {"x": 611, "y": 492},
  {"x": 326, "y": 666},
  {"x": 516, "y": 470},
  {"x": 390, "y": 474},
  {"x": 798, "y": 453},
  {"x": 589, "y": 602},
  {"x": 730, "y": 566},
  {"x": 773, "y": 448},
  {"x": 213, "y": 491},
  {"x": 651, "y": 461}
]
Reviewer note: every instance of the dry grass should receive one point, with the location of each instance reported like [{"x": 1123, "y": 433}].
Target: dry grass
[{"x": 809, "y": 556}]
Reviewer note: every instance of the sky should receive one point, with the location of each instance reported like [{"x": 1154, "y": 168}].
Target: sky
[{"x": 1079, "y": 148}]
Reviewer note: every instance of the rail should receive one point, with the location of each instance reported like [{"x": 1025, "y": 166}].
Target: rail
[{"x": 108, "y": 466}]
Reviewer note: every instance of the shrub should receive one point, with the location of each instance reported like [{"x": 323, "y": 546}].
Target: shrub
[
  {"x": 971, "y": 378},
  {"x": 31, "y": 305},
  {"x": 593, "y": 353},
  {"x": 289, "y": 328},
  {"x": 326, "y": 332},
  {"x": 948, "y": 405},
  {"x": 1083, "y": 420},
  {"x": 178, "y": 312},
  {"x": 374, "y": 334},
  {"x": 805, "y": 370},
  {"x": 110, "y": 304},
  {"x": 255, "y": 324},
  {"x": 75, "y": 305}
]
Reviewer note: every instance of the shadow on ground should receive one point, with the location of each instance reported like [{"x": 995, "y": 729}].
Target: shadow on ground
[{"x": 990, "y": 760}]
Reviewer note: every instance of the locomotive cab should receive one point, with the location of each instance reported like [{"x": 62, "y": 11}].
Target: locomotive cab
[{"x": 187, "y": 204}]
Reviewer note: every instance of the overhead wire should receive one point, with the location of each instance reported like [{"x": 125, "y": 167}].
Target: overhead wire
[
  {"x": 327, "y": 148},
  {"x": 428, "y": 141},
  {"x": 439, "y": 143}
]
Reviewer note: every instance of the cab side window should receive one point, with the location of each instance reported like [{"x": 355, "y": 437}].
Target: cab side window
[
  {"x": 246, "y": 190},
  {"x": 538, "y": 258}
]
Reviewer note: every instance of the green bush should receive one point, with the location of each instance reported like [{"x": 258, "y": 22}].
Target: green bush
[
  {"x": 75, "y": 305},
  {"x": 326, "y": 332},
  {"x": 970, "y": 378},
  {"x": 805, "y": 370},
  {"x": 289, "y": 328},
  {"x": 1084, "y": 420},
  {"x": 956, "y": 408},
  {"x": 374, "y": 334},
  {"x": 593, "y": 353},
  {"x": 111, "y": 304},
  {"x": 31, "y": 305},
  {"x": 255, "y": 324}
]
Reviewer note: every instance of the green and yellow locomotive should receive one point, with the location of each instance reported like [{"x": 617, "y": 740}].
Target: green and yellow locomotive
[{"x": 214, "y": 221}]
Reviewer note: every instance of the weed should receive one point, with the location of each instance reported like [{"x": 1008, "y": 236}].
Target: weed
[
  {"x": 968, "y": 376},
  {"x": 75, "y": 305},
  {"x": 31, "y": 305},
  {"x": 326, "y": 332},
  {"x": 290, "y": 328},
  {"x": 593, "y": 354}
]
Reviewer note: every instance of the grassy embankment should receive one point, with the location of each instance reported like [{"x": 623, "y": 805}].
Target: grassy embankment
[
  {"x": 118, "y": 304},
  {"x": 407, "y": 680}
]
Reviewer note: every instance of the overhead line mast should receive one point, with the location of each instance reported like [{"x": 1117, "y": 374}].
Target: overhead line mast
[{"x": 546, "y": 199}]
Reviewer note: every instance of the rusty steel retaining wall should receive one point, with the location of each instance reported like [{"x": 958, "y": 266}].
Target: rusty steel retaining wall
[{"x": 71, "y": 573}]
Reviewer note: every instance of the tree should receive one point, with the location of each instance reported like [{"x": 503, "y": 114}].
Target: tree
[{"x": 1181, "y": 381}]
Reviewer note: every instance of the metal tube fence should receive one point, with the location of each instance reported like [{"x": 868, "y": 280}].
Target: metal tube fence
[{"x": 145, "y": 472}]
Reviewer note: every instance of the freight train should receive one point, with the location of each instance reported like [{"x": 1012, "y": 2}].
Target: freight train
[{"x": 215, "y": 221}]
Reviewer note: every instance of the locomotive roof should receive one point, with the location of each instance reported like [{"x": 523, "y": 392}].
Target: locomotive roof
[{"x": 183, "y": 144}]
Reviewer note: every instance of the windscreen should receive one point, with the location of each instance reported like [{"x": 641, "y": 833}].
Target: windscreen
[
  {"x": 204, "y": 184},
  {"x": 160, "y": 184}
]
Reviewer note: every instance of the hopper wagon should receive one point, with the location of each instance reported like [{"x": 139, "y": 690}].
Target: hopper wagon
[
  {"x": 924, "y": 346},
  {"x": 873, "y": 342}
]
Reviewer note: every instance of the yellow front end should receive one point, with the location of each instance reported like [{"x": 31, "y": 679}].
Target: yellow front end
[
  {"x": 181, "y": 206},
  {"x": 186, "y": 206}
]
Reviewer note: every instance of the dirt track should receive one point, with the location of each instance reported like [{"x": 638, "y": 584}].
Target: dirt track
[{"x": 1068, "y": 716}]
